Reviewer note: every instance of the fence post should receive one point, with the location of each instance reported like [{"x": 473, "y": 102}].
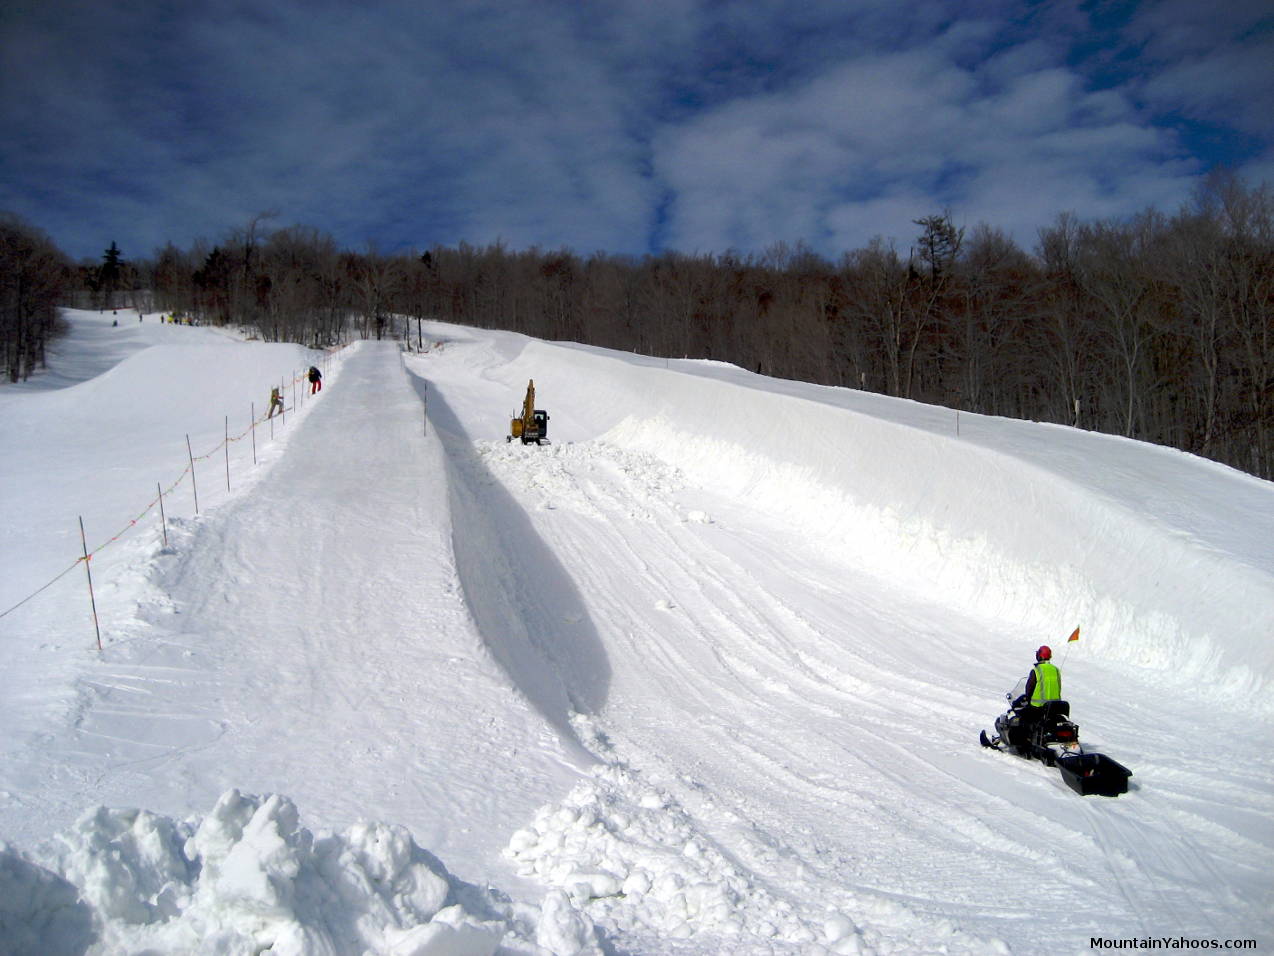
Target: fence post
[
  {"x": 227, "y": 444},
  {"x": 163, "y": 521},
  {"x": 253, "y": 428},
  {"x": 193, "y": 484},
  {"x": 87, "y": 570}
]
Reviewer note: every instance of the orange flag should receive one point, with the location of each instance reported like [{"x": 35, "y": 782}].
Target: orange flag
[{"x": 1074, "y": 636}]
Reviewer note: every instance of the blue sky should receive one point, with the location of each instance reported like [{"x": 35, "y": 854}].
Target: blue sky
[{"x": 626, "y": 127}]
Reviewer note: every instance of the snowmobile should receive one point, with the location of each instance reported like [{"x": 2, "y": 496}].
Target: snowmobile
[{"x": 1046, "y": 733}]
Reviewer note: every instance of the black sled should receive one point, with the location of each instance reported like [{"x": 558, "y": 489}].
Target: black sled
[{"x": 1047, "y": 734}]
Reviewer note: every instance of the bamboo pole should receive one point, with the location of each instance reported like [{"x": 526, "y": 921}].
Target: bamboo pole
[
  {"x": 163, "y": 521},
  {"x": 88, "y": 571},
  {"x": 193, "y": 485}
]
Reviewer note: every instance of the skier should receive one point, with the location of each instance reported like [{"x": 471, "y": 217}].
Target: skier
[
  {"x": 316, "y": 380},
  {"x": 276, "y": 402}
]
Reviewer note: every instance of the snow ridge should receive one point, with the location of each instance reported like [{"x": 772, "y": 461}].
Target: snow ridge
[{"x": 944, "y": 514}]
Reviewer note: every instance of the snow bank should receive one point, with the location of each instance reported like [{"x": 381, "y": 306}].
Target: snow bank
[
  {"x": 1028, "y": 522},
  {"x": 248, "y": 878}
]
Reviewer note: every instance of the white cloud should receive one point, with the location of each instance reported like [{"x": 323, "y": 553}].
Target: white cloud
[{"x": 874, "y": 143}]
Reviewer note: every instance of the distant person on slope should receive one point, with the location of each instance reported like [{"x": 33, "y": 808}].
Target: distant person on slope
[
  {"x": 316, "y": 380},
  {"x": 276, "y": 402}
]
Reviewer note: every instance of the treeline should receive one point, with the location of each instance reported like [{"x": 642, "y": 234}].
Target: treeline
[{"x": 1158, "y": 327}]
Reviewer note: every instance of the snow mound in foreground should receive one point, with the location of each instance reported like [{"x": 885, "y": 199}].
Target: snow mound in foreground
[
  {"x": 249, "y": 878},
  {"x": 627, "y": 854}
]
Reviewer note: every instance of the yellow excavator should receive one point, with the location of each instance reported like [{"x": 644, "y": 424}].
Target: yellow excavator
[{"x": 533, "y": 424}]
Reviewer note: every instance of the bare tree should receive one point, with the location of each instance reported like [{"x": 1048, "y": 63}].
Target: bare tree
[
  {"x": 989, "y": 281},
  {"x": 878, "y": 294},
  {"x": 1111, "y": 270},
  {"x": 1065, "y": 329},
  {"x": 377, "y": 280},
  {"x": 1247, "y": 217}
]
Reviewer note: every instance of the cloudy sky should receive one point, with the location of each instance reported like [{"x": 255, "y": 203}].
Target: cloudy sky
[{"x": 628, "y": 126}]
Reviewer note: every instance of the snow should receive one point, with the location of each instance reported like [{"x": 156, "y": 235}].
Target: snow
[
  {"x": 704, "y": 675},
  {"x": 249, "y": 878}
]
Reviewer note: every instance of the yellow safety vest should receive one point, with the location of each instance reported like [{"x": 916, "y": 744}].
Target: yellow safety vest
[{"x": 1048, "y": 683}]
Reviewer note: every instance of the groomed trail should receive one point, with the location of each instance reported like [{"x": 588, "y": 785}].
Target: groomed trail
[{"x": 712, "y": 663}]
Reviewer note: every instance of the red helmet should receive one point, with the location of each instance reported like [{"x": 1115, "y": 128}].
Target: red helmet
[{"x": 1044, "y": 653}]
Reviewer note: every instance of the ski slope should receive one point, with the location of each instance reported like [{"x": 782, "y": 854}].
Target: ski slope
[{"x": 704, "y": 675}]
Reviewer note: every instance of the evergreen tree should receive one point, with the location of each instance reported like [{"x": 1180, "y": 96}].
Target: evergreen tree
[{"x": 110, "y": 275}]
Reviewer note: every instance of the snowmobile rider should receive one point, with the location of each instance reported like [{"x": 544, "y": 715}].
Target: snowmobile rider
[{"x": 1043, "y": 684}]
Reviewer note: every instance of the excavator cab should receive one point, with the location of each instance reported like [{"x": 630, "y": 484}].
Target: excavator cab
[{"x": 541, "y": 425}]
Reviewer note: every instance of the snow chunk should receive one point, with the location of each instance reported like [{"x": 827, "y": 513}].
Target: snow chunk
[
  {"x": 564, "y": 930},
  {"x": 627, "y": 855},
  {"x": 40, "y": 912},
  {"x": 248, "y": 878}
]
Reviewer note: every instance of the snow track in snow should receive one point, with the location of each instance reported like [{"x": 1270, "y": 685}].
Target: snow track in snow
[
  {"x": 708, "y": 670},
  {"x": 785, "y": 698}
]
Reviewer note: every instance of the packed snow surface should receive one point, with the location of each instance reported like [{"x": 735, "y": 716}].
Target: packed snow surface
[{"x": 703, "y": 675}]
